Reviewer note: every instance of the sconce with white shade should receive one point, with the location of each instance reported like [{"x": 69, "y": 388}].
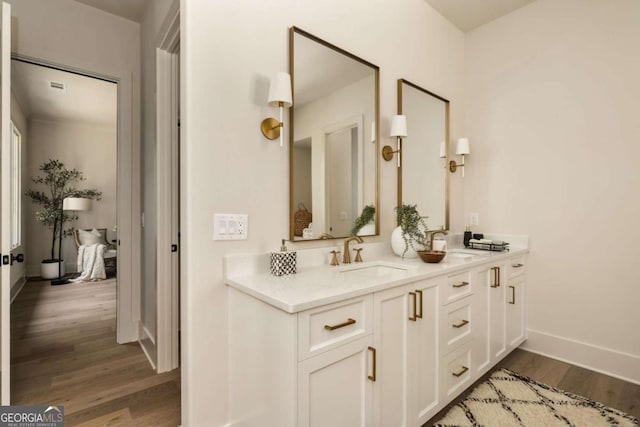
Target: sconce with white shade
[
  {"x": 443, "y": 150},
  {"x": 462, "y": 149},
  {"x": 399, "y": 130},
  {"x": 279, "y": 96}
]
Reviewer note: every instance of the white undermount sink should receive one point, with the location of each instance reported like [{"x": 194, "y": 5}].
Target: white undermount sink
[{"x": 371, "y": 269}]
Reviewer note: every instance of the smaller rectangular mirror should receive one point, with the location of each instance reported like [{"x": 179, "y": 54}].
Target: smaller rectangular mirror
[{"x": 422, "y": 176}]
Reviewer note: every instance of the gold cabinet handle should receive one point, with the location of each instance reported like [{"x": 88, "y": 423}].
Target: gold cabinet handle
[
  {"x": 419, "y": 293},
  {"x": 372, "y": 377},
  {"x": 414, "y": 297},
  {"x": 461, "y": 285},
  {"x": 349, "y": 321},
  {"x": 496, "y": 277},
  {"x": 459, "y": 373},
  {"x": 518, "y": 265},
  {"x": 513, "y": 295},
  {"x": 461, "y": 324}
]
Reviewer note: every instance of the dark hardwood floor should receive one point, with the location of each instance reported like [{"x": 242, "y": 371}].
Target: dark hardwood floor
[
  {"x": 63, "y": 352},
  {"x": 602, "y": 388}
]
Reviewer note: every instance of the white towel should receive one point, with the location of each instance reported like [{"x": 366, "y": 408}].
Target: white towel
[{"x": 91, "y": 262}]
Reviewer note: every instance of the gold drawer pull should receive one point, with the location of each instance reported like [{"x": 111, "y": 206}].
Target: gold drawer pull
[
  {"x": 373, "y": 376},
  {"x": 349, "y": 321},
  {"x": 461, "y": 285},
  {"x": 518, "y": 265},
  {"x": 462, "y": 371},
  {"x": 461, "y": 324},
  {"x": 419, "y": 293},
  {"x": 496, "y": 277},
  {"x": 513, "y": 295},
  {"x": 414, "y": 298}
]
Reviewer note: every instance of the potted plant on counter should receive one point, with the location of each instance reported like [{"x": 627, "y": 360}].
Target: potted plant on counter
[
  {"x": 364, "y": 225},
  {"x": 411, "y": 233},
  {"x": 59, "y": 184}
]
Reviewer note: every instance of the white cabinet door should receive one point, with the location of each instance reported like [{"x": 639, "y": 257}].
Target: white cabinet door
[
  {"x": 515, "y": 313},
  {"x": 480, "y": 313},
  {"x": 423, "y": 365},
  {"x": 335, "y": 389},
  {"x": 394, "y": 313},
  {"x": 495, "y": 280}
]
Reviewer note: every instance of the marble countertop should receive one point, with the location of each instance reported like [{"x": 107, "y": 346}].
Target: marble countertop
[{"x": 317, "y": 285}]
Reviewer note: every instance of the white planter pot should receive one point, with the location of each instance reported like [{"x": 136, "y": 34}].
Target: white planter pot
[
  {"x": 398, "y": 246},
  {"x": 49, "y": 270}
]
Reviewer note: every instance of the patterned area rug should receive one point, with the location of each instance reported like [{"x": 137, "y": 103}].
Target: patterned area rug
[{"x": 509, "y": 399}]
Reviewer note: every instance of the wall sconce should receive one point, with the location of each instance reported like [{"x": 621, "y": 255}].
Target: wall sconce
[
  {"x": 279, "y": 96},
  {"x": 399, "y": 130},
  {"x": 461, "y": 149}
]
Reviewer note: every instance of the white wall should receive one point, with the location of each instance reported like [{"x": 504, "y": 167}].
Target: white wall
[
  {"x": 19, "y": 270},
  {"x": 78, "y": 36},
  {"x": 91, "y": 149},
  {"x": 553, "y": 97},
  {"x": 228, "y": 166},
  {"x": 151, "y": 22}
]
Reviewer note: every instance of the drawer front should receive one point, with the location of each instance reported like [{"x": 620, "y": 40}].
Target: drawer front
[
  {"x": 323, "y": 328},
  {"x": 457, "y": 286},
  {"x": 456, "y": 325},
  {"x": 515, "y": 266},
  {"x": 456, "y": 372}
]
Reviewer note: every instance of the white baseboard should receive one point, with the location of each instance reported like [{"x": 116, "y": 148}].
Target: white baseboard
[
  {"x": 148, "y": 344},
  {"x": 17, "y": 287},
  {"x": 606, "y": 361}
]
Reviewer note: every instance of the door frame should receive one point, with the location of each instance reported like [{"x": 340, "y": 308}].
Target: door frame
[
  {"x": 128, "y": 205},
  {"x": 168, "y": 205}
]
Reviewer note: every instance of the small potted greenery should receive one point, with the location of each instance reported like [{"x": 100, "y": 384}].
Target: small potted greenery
[
  {"x": 366, "y": 217},
  {"x": 411, "y": 234}
]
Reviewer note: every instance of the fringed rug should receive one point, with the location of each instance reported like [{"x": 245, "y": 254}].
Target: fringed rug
[{"x": 509, "y": 399}]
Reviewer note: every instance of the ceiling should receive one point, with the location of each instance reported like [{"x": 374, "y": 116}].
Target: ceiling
[
  {"x": 129, "y": 9},
  {"x": 470, "y": 14},
  {"x": 84, "y": 99}
]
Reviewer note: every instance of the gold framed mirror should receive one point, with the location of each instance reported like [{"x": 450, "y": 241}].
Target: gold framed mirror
[
  {"x": 333, "y": 167},
  {"x": 422, "y": 175}
]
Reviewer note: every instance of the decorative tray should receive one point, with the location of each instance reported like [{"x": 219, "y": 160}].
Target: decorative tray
[{"x": 497, "y": 247}]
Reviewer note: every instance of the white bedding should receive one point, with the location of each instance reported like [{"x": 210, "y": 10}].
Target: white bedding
[{"x": 91, "y": 262}]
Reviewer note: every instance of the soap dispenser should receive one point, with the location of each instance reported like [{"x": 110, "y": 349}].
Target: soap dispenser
[
  {"x": 467, "y": 236},
  {"x": 283, "y": 262}
]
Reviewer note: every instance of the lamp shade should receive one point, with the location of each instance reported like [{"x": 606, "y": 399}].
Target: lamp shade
[
  {"x": 280, "y": 90},
  {"x": 443, "y": 150},
  {"x": 399, "y": 126},
  {"x": 76, "y": 204},
  {"x": 463, "y": 146}
]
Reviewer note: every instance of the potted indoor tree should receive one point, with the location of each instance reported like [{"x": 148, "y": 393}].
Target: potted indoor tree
[
  {"x": 59, "y": 183},
  {"x": 410, "y": 235}
]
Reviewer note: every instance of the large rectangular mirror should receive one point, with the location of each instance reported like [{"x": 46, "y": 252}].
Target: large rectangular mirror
[
  {"x": 422, "y": 176},
  {"x": 333, "y": 141}
]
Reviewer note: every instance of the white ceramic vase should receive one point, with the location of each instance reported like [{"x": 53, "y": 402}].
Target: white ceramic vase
[
  {"x": 398, "y": 246},
  {"x": 49, "y": 270}
]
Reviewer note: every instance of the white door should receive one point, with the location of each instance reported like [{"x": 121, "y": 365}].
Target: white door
[
  {"x": 515, "y": 313},
  {"x": 497, "y": 312},
  {"x": 334, "y": 388},
  {"x": 424, "y": 371},
  {"x": 395, "y": 313},
  {"x": 5, "y": 206}
]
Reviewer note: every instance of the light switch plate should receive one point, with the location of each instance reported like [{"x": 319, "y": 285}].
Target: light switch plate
[
  {"x": 474, "y": 218},
  {"x": 230, "y": 226}
]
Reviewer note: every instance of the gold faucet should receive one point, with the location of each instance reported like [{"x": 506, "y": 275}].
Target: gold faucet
[
  {"x": 346, "y": 257},
  {"x": 324, "y": 236},
  {"x": 433, "y": 234}
]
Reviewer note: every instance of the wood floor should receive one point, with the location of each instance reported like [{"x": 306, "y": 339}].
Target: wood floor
[
  {"x": 607, "y": 390},
  {"x": 63, "y": 352}
]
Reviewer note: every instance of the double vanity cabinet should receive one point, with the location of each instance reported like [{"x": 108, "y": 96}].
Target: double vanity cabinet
[{"x": 390, "y": 348}]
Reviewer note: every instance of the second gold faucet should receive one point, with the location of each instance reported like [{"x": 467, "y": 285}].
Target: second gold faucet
[{"x": 346, "y": 256}]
